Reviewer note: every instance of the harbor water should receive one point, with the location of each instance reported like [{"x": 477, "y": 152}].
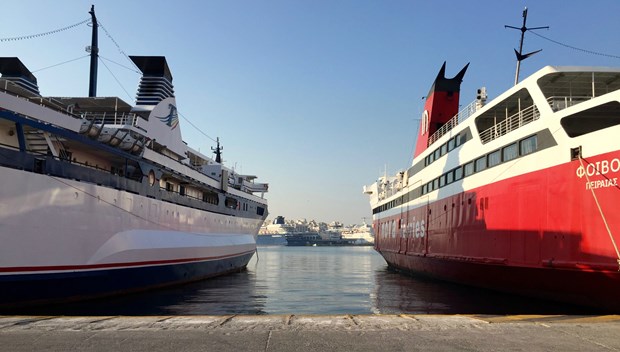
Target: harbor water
[{"x": 312, "y": 280}]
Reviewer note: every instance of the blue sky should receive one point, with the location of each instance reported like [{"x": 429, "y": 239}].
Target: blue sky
[{"x": 315, "y": 97}]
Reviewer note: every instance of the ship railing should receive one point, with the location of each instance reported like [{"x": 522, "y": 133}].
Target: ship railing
[
  {"x": 388, "y": 190},
  {"x": 48, "y": 102},
  {"x": 116, "y": 118},
  {"x": 454, "y": 121},
  {"x": 558, "y": 103},
  {"x": 510, "y": 123},
  {"x": 251, "y": 187}
]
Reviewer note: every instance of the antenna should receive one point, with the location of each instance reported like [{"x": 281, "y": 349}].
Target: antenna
[{"x": 520, "y": 55}]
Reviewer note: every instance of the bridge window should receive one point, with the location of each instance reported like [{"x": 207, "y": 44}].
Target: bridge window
[{"x": 591, "y": 120}]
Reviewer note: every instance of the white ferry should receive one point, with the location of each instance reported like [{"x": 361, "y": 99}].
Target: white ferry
[{"x": 101, "y": 197}]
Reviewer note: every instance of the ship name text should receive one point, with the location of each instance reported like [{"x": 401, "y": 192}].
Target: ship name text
[
  {"x": 611, "y": 182},
  {"x": 599, "y": 168}
]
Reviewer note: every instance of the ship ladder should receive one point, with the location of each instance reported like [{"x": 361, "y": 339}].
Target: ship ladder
[{"x": 600, "y": 210}]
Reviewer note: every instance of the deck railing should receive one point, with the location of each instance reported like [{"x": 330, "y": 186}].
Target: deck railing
[
  {"x": 510, "y": 123},
  {"x": 122, "y": 119},
  {"x": 454, "y": 121},
  {"x": 558, "y": 103}
]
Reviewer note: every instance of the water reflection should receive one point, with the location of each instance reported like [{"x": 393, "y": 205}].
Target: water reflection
[
  {"x": 317, "y": 280},
  {"x": 236, "y": 293},
  {"x": 396, "y": 293},
  {"x": 312, "y": 280}
]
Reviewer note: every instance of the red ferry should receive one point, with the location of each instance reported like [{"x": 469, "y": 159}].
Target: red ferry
[{"x": 518, "y": 194}]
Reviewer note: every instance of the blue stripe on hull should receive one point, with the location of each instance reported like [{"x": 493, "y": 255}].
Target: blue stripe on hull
[{"x": 32, "y": 289}]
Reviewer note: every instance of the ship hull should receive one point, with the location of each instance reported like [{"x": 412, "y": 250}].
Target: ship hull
[
  {"x": 587, "y": 288},
  {"x": 65, "y": 240},
  {"x": 271, "y": 240},
  {"x": 74, "y": 285},
  {"x": 549, "y": 233}
]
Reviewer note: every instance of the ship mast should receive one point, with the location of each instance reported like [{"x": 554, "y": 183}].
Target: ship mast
[
  {"x": 520, "y": 55},
  {"x": 218, "y": 151},
  {"x": 94, "y": 55}
]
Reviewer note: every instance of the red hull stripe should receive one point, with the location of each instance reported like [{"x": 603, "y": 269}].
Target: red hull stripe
[{"x": 17, "y": 269}]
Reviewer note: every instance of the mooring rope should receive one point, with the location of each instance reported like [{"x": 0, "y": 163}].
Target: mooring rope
[{"x": 611, "y": 237}]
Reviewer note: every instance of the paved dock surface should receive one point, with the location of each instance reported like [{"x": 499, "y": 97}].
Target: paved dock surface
[{"x": 311, "y": 333}]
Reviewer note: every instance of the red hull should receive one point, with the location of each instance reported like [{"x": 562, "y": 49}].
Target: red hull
[
  {"x": 594, "y": 289},
  {"x": 538, "y": 234}
]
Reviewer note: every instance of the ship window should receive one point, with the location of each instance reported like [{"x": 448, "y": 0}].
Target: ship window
[
  {"x": 168, "y": 186},
  {"x": 458, "y": 173},
  {"x": 437, "y": 154},
  {"x": 451, "y": 144},
  {"x": 510, "y": 152},
  {"x": 449, "y": 177},
  {"x": 436, "y": 183},
  {"x": 494, "y": 158},
  {"x": 231, "y": 203},
  {"x": 469, "y": 168},
  {"x": 442, "y": 180},
  {"x": 481, "y": 164},
  {"x": 210, "y": 197},
  {"x": 429, "y": 186},
  {"x": 423, "y": 189},
  {"x": 431, "y": 158},
  {"x": 528, "y": 145},
  {"x": 591, "y": 120},
  {"x": 182, "y": 190},
  {"x": 443, "y": 149},
  {"x": 39, "y": 166},
  {"x": 458, "y": 140},
  {"x": 260, "y": 211}
]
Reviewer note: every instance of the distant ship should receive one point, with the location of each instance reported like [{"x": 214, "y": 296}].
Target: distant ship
[
  {"x": 100, "y": 197},
  {"x": 273, "y": 234},
  {"x": 278, "y": 232},
  {"x": 362, "y": 235},
  {"x": 518, "y": 194}
]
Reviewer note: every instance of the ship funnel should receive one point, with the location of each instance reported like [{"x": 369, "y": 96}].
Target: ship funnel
[
  {"x": 442, "y": 103},
  {"x": 14, "y": 71},
  {"x": 156, "y": 82}
]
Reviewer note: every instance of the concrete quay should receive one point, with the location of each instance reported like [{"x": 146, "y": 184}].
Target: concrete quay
[{"x": 300, "y": 333}]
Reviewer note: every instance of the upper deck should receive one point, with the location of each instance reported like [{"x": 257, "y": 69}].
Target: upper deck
[
  {"x": 547, "y": 92},
  {"x": 561, "y": 87}
]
